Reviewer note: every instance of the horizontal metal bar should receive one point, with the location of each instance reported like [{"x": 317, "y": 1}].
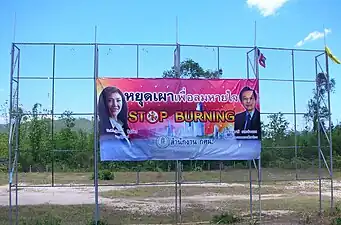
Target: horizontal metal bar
[
  {"x": 274, "y": 147},
  {"x": 91, "y": 78},
  {"x": 289, "y": 147},
  {"x": 216, "y": 46},
  {"x": 284, "y": 113},
  {"x": 57, "y": 78},
  {"x": 167, "y": 183},
  {"x": 89, "y": 114},
  {"x": 146, "y": 45},
  {"x": 54, "y": 114},
  {"x": 292, "y": 49},
  {"x": 165, "y": 45},
  {"x": 287, "y": 80},
  {"x": 98, "y": 44},
  {"x": 61, "y": 150},
  {"x": 52, "y": 43}
]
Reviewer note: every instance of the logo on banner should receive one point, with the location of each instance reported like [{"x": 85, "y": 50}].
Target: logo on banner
[{"x": 162, "y": 142}]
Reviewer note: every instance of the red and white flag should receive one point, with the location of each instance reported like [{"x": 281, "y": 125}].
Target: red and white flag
[{"x": 260, "y": 58}]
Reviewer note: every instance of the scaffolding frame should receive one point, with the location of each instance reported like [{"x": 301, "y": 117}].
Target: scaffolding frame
[{"x": 252, "y": 70}]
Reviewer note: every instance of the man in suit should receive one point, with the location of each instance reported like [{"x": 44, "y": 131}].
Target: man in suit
[{"x": 247, "y": 123}]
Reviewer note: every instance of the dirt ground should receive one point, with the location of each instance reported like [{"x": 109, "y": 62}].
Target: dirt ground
[{"x": 278, "y": 199}]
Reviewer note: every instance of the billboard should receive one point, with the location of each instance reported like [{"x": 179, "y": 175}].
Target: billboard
[{"x": 178, "y": 119}]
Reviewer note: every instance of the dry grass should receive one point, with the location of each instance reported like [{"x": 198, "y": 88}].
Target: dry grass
[
  {"x": 167, "y": 191},
  {"x": 200, "y": 203},
  {"x": 81, "y": 215},
  {"x": 230, "y": 175}
]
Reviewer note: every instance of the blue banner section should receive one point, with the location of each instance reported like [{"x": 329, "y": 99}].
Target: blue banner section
[{"x": 171, "y": 148}]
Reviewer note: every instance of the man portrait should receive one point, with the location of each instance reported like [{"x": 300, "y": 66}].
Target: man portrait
[{"x": 247, "y": 123}]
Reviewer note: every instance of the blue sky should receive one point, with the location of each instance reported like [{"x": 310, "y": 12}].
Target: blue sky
[{"x": 280, "y": 23}]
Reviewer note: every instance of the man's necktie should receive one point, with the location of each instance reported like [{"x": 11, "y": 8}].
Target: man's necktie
[{"x": 248, "y": 122}]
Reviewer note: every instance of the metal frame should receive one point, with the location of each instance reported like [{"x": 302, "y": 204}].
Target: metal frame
[{"x": 251, "y": 64}]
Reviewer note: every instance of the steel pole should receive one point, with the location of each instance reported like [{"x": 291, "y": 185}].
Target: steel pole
[
  {"x": 295, "y": 116},
  {"x": 318, "y": 136},
  {"x": 96, "y": 136},
  {"x": 10, "y": 141},
  {"x": 52, "y": 112},
  {"x": 330, "y": 136}
]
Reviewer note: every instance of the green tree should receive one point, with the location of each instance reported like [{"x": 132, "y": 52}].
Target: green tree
[
  {"x": 35, "y": 139},
  {"x": 317, "y": 102},
  {"x": 275, "y": 137},
  {"x": 191, "y": 69},
  {"x": 277, "y": 127}
]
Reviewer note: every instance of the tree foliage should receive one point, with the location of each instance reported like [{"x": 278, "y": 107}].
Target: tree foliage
[
  {"x": 191, "y": 69},
  {"x": 318, "y": 104}
]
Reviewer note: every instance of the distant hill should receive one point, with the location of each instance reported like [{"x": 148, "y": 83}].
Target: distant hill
[
  {"x": 3, "y": 128},
  {"x": 80, "y": 124}
]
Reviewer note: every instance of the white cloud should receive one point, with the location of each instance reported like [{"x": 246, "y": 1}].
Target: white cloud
[
  {"x": 266, "y": 7},
  {"x": 312, "y": 36}
]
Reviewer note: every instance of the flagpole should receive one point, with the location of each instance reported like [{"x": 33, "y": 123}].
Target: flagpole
[
  {"x": 255, "y": 48},
  {"x": 176, "y": 30},
  {"x": 15, "y": 26},
  {"x": 329, "y": 121},
  {"x": 324, "y": 36},
  {"x": 177, "y": 192},
  {"x": 255, "y": 40}
]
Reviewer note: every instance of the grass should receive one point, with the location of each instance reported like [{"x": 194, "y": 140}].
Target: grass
[
  {"x": 81, "y": 215},
  {"x": 230, "y": 175},
  {"x": 192, "y": 211},
  {"x": 167, "y": 191}
]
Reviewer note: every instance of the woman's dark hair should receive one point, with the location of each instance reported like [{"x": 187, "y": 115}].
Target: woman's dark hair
[{"x": 103, "y": 110}]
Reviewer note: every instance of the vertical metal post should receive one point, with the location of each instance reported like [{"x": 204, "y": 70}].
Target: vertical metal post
[
  {"x": 247, "y": 66},
  {"x": 295, "y": 119},
  {"x": 330, "y": 135},
  {"x": 180, "y": 192},
  {"x": 138, "y": 176},
  {"x": 250, "y": 178},
  {"x": 10, "y": 141},
  {"x": 250, "y": 171},
  {"x": 259, "y": 188},
  {"x": 318, "y": 135},
  {"x": 220, "y": 171},
  {"x": 176, "y": 191},
  {"x": 52, "y": 112},
  {"x": 17, "y": 132},
  {"x": 137, "y": 61},
  {"x": 218, "y": 57},
  {"x": 95, "y": 134}
]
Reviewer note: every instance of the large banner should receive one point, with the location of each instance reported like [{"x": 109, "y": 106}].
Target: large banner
[{"x": 178, "y": 119}]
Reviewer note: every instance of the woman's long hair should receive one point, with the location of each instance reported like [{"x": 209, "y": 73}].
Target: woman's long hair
[{"x": 103, "y": 110}]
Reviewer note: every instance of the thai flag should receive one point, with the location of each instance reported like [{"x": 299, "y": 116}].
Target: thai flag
[{"x": 260, "y": 58}]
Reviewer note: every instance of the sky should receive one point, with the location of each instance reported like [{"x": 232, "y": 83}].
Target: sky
[{"x": 301, "y": 24}]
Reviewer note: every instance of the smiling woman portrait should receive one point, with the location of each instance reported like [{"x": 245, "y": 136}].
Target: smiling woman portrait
[
  {"x": 113, "y": 112},
  {"x": 114, "y": 128}
]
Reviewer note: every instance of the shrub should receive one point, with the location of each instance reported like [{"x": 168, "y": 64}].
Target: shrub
[
  {"x": 225, "y": 218},
  {"x": 100, "y": 222},
  {"x": 104, "y": 175},
  {"x": 43, "y": 220},
  {"x": 336, "y": 221}
]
